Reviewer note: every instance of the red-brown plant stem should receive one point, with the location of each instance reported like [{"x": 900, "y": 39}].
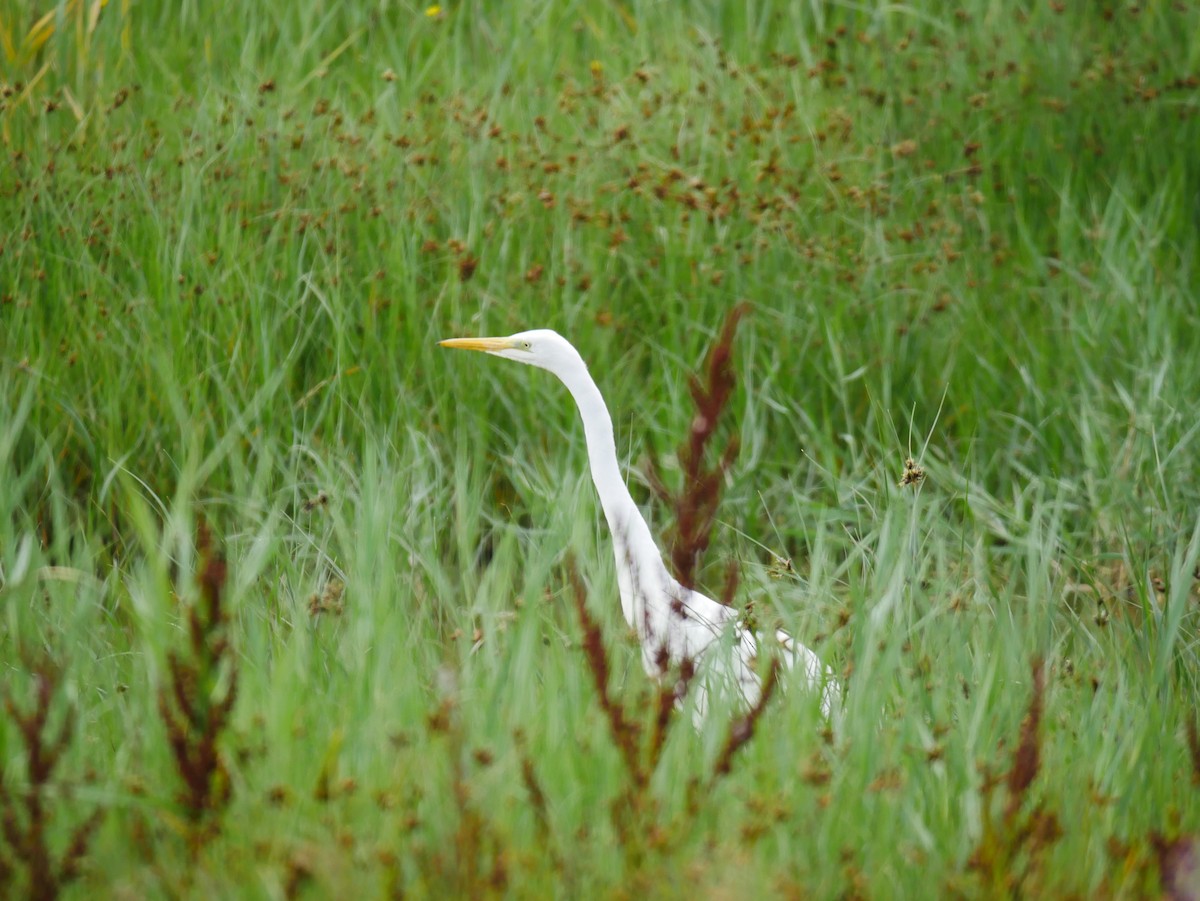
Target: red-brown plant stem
[
  {"x": 1027, "y": 757},
  {"x": 195, "y": 714},
  {"x": 694, "y": 507},
  {"x": 624, "y": 730},
  {"x": 741, "y": 730},
  {"x": 1012, "y": 844},
  {"x": 670, "y": 693},
  {"x": 24, "y": 814},
  {"x": 1193, "y": 744}
]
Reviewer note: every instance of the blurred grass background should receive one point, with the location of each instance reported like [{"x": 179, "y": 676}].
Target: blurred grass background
[{"x": 229, "y": 240}]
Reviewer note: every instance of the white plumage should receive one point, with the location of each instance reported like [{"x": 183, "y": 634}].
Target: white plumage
[{"x": 673, "y": 623}]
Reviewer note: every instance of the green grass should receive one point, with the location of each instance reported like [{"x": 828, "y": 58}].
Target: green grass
[{"x": 228, "y": 245}]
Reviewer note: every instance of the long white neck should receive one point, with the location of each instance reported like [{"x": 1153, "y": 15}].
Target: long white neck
[{"x": 632, "y": 541}]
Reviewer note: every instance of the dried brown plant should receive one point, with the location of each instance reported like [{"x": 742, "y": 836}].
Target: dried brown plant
[
  {"x": 1013, "y": 842},
  {"x": 196, "y": 703},
  {"x": 694, "y": 506},
  {"x": 621, "y": 726},
  {"x": 1193, "y": 745},
  {"x": 25, "y": 811},
  {"x": 537, "y": 796},
  {"x": 741, "y": 730}
]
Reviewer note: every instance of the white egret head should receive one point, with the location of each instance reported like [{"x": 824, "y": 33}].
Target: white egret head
[{"x": 540, "y": 347}]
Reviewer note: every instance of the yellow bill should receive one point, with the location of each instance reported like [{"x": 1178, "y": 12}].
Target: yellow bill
[{"x": 489, "y": 345}]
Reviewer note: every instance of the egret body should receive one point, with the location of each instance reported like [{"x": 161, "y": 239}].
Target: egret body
[{"x": 673, "y": 623}]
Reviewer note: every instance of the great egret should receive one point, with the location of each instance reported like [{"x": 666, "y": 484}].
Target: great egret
[{"x": 673, "y": 623}]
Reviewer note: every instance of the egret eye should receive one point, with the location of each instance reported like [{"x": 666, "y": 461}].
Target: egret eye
[{"x": 526, "y": 345}]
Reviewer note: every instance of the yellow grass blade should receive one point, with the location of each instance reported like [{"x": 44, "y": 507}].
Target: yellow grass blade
[
  {"x": 38, "y": 34},
  {"x": 94, "y": 14},
  {"x": 6, "y": 41},
  {"x": 76, "y": 108},
  {"x": 627, "y": 17}
]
